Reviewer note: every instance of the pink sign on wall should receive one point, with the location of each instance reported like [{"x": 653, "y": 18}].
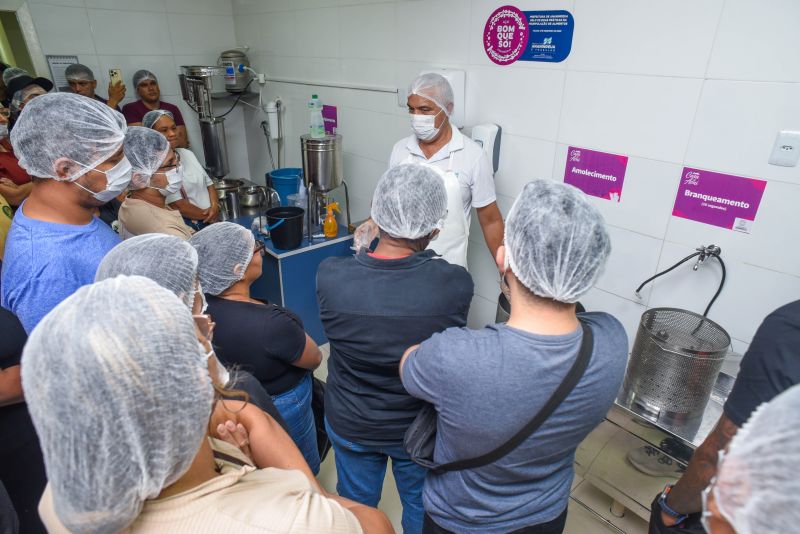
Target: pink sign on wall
[
  {"x": 719, "y": 199},
  {"x": 505, "y": 35},
  {"x": 330, "y": 119},
  {"x": 596, "y": 173}
]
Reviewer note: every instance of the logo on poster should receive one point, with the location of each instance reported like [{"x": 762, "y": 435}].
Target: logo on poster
[
  {"x": 692, "y": 178},
  {"x": 575, "y": 155},
  {"x": 505, "y": 35}
]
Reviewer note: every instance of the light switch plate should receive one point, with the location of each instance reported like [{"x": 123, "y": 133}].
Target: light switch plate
[{"x": 786, "y": 150}]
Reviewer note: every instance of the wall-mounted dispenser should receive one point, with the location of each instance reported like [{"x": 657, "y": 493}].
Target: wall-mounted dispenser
[{"x": 487, "y": 135}]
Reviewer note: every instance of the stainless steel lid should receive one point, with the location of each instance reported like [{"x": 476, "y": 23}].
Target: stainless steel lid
[
  {"x": 320, "y": 144},
  {"x": 202, "y": 70},
  {"x": 232, "y": 54}
]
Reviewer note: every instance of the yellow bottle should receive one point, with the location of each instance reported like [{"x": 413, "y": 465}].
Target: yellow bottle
[{"x": 330, "y": 227}]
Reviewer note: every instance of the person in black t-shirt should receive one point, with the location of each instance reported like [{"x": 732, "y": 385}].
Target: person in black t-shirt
[
  {"x": 770, "y": 366},
  {"x": 373, "y": 307},
  {"x": 264, "y": 339},
  {"x": 21, "y": 462}
]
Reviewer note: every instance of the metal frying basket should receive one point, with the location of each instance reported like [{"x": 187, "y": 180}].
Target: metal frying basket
[{"x": 675, "y": 361}]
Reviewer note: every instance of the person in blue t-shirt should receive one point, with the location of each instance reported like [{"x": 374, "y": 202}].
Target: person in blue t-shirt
[
  {"x": 487, "y": 384},
  {"x": 72, "y": 147},
  {"x": 373, "y": 306}
]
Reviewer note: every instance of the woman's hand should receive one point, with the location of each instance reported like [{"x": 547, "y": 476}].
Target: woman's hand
[{"x": 235, "y": 434}]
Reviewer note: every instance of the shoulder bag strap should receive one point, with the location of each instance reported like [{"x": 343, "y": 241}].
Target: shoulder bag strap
[{"x": 567, "y": 385}]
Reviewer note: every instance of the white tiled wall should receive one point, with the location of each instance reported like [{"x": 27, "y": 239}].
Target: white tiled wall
[
  {"x": 158, "y": 35},
  {"x": 668, "y": 84}
]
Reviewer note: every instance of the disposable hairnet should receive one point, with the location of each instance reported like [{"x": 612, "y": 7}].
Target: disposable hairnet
[
  {"x": 151, "y": 117},
  {"x": 78, "y": 72},
  {"x": 22, "y": 96},
  {"x": 556, "y": 241},
  {"x": 435, "y": 88},
  {"x": 141, "y": 75},
  {"x": 146, "y": 149},
  {"x": 224, "y": 250},
  {"x": 66, "y": 125},
  {"x": 119, "y": 392},
  {"x": 410, "y": 201},
  {"x": 757, "y": 483},
  {"x": 168, "y": 260},
  {"x": 13, "y": 72}
]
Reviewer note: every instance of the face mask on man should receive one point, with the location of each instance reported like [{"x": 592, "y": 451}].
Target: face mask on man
[
  {"x": 117, "y": 179},
  {"x": 424, "y": 126},
  {"x": 174, "y": 182}
]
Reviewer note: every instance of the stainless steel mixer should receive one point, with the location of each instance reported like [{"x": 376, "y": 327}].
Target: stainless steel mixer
[{"x": 322, "y": 173}]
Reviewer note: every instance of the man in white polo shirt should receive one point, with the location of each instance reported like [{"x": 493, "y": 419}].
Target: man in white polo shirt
[{"x": 463, "y": 165}]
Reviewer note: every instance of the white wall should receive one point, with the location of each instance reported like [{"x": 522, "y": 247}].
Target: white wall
[
  {"x": 159, "y": 35},
  {"x": 704, "y": 83}
]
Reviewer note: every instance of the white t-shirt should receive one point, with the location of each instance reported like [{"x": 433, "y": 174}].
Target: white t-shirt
[
  {"x": 472, "y": 167},
  {"x": 195, "y": 181}
]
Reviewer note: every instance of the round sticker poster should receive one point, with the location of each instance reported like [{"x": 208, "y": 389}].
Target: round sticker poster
[{"x": 505, "y": 35}]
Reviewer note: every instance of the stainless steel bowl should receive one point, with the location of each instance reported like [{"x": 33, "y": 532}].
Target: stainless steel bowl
[{"x": 227, "y": 184}]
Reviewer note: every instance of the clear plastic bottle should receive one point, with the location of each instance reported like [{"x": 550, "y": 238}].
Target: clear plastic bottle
[{"x": 316, "y": 123}]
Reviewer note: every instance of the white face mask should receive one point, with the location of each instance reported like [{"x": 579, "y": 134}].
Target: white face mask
[
  {"x": 3, "y": 131},
  {"x": 174, "y": 182},
  {"x": 204, "y": 302},
  {"x": 117, "y": 179},
  {"x": 424, "y": 126},
  {"x": 223, "y": 375}
]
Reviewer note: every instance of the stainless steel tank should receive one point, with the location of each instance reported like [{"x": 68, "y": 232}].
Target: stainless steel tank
[
  {"x": 215, "y": 147},
  {"x": 235, "y": 81},
  {"x": 673, "y": 366},
  {"x": 322, "y": 161}
]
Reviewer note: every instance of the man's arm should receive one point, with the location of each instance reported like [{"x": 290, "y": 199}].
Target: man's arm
[
  {"x": 10, "y": 386},
  {"x": 492, "y": 225},
  {"x": 14, "y": 193},
  {"x": 685, "y": 495},
  {"x": 183, "y": 137},
  {"x": 213, "y": 211},
  {"x": 189, "y": 210},
  {"x": 116, "y": 94}
]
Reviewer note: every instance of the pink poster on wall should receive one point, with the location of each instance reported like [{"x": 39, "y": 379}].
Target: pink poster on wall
[
  {"x": 596, "y": 173},
  {"x": 719, "y": 199},
  {"x": 330, "y": 118}
]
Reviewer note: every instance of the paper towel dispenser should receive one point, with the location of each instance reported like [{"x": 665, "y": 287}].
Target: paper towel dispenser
[{"x": 487, "y": 135}]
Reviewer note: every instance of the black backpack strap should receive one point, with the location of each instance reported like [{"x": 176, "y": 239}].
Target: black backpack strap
[{"x": 567, "y": 385}]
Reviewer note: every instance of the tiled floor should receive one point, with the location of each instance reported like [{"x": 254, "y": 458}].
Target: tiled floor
[{"x": 589, "y": 508}]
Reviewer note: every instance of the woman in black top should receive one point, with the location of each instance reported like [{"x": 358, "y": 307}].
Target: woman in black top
[
  {"x": 21, "y": 463},
  {"x": 267, "y": 340}
]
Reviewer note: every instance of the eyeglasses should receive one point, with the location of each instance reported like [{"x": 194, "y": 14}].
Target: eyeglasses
[
  {"x": 175, "y": 165},
  {"x": 205, "y": 325},
  {"x": 259, "y": 248}
]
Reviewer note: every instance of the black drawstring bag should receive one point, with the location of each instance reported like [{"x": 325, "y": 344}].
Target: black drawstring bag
[
  {"x": 318, "y": 407},
  {"x": 420, "y": 438}
]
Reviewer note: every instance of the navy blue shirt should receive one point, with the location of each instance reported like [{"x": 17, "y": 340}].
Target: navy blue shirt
[
  {"x": 372, "y": 310},
  {"x": 770, "y": 366}
]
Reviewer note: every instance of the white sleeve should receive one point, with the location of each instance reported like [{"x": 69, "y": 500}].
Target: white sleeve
[{"x": 482, "y": 186}]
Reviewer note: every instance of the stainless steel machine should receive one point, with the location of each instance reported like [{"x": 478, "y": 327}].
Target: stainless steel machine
[{"x": 322, "y": 174}]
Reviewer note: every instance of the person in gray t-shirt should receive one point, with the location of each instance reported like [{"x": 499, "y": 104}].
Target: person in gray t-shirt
[{"x": 487, "y": 384}]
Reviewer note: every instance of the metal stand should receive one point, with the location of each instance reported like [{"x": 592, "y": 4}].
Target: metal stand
[{"x": 350, "y": 228}]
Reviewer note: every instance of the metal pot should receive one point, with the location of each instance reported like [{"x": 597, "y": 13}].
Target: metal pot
[
  {"x": 322, "y": 161},
  {"x": 226, "y": 185},
  {"x": 252, "y": 196}
]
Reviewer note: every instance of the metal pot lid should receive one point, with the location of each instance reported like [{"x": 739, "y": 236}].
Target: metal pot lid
[
  {"x": 312, "y": 142},
  {"x": 228, "y": 183}
]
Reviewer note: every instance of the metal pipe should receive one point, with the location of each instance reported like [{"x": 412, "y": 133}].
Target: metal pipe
[{"x": 355, "y": 86}]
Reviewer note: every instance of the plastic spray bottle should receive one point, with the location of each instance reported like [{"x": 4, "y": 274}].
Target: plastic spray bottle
[{"x": 330, "y": 227}]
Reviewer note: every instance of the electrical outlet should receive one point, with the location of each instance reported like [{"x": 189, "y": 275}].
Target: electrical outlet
[{"x": 786, "y": 150}]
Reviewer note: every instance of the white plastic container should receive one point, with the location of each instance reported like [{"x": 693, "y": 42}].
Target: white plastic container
[{"x": 316, "y": 124}]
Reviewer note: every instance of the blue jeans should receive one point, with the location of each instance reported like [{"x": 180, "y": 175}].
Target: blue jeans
[
  {"x": 295, "y": 407},
  {"x": 360, "y": 470}
]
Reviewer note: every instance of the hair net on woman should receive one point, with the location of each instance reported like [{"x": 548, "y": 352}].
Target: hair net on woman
[
  {"x": 224, "y": 250},
  {"x": 65, "y": 125},
  {"x": 556, "y": 241},
  {"x": 119, "y": 392},
  {"x": 146, "y": 150},
  {"x": 757, "y": 484},
  {"x": 435, "y": 88},
  {"x": 410, "y": 201},
  {"x": 141, "y": 75},
  {"x": 152, "y": 117},
  {"x": 166, "y": 259},
  {"x": 78, "y": 72},
  {"x": 13, "y": 72}
]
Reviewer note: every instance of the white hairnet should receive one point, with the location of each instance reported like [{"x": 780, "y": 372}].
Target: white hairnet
[
  {"x": 13, "y": 72},
  {"x": 224, "y": 250},
  {"x": 66, "y": 125},
  {"x": 757, "y": 483},
  {"x": 118, "y": 388},
  {"x": 141, "y": 75},
  {"x": 435, "y": 88},
  {"x": 151, "y": 117},
  {"x": 410, "y": 201},
  {"x": 556, "y": 241},
  {"x": 22, "y": 97},
  {"x": 78, "y": 72},
  {"x": 168, "y": 260},
  {"x": 146, "y": 150}
]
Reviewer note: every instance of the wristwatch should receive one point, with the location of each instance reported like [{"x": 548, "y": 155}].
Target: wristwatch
[{"x": 662, "y": 503}]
